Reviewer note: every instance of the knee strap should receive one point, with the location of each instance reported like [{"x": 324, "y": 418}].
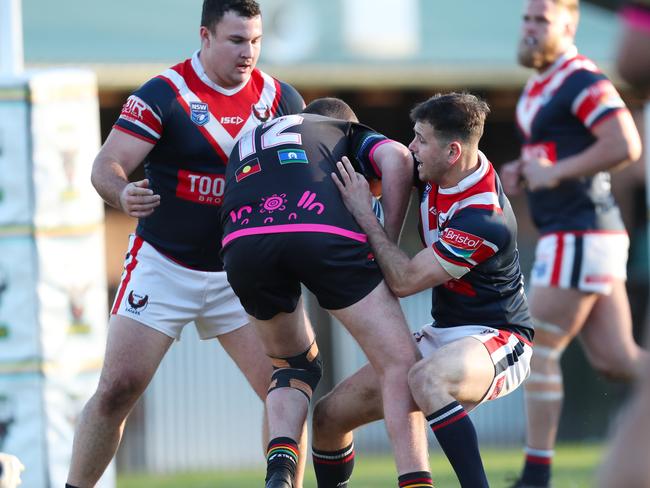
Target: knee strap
[{"x": 301, "y": 372}]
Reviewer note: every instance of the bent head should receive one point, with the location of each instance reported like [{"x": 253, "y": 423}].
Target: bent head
[
  {"x": 548, "y": 30},
  {"x": 447, "y": 127},
  {"x": 331, "y": 107},
  {"x": 231, "y": 39}
]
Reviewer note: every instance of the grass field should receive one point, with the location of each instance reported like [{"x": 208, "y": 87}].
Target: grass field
[{"x": 573, "y": 468}]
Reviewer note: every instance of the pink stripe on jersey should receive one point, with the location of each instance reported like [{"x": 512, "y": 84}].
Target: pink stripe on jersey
[
  {"x": 135, "y": 248},
  {"x": 372, "y": 155},
  {"x": 281, "y": 229}
]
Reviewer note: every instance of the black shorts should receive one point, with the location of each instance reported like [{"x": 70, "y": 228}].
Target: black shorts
[{"x": 265, "y": 271}]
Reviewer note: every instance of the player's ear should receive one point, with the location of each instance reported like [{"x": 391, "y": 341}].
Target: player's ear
[
  {"x": 455, "y": 150},
  {"x": 204, "y": 34}
]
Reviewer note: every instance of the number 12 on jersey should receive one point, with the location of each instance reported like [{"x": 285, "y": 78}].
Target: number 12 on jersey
[{"x": 275, "y": 134}]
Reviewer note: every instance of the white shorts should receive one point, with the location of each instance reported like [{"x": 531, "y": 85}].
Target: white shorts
[
  {"x": 510, "y": 353},
  {"x": 165, "y": 296},
  {"x": 587, "y": 261}
]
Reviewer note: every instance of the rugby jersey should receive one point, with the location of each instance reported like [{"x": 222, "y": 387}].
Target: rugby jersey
[
  {"x": 194, "y": 124},
  {"x": 556, "y": 113},
  {"x": 279, "y": 177},
  {"x": 473, "y": 233}
]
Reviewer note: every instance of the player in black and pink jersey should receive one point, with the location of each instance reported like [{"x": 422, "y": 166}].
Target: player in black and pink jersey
[
  {"x": 478, "y": 347},
  {"x": 285, "y": 224},
  {"x": 183, "y": 125},
  {"x": 574, "y": 127}
]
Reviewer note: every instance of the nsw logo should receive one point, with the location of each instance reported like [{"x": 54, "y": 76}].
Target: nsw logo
[
  {"x": 135, "y": 303},
  {"x": 199, "y": 113}
]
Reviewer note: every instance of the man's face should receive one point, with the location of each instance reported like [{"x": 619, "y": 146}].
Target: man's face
[
  {"x": 547, "y": 31},
  {"x": 430, "y": 154},
  {"x": 230, "y": 51}
]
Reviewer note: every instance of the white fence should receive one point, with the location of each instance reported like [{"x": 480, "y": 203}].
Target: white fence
[{"x": 199, "y": 413}]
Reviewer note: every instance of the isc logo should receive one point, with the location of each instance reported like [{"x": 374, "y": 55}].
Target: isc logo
[
  {"x": 231, "y": 120},
  {"x": 201, "y": 187}
]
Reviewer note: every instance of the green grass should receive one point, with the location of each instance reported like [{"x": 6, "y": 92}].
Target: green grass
[{"x": 574, "y": 467}]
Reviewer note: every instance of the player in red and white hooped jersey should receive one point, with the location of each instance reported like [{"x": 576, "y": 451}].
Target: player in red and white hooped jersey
[
  {"x": 478, "y": 347},
  {"x": 182, "y": 124},
  {"x": 574, "y": 127}
]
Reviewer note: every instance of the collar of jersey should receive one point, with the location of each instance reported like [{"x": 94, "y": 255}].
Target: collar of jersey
[
  {"x": 200, "y": 72},
  {"x": 572, "y": 52},
  {"x": 470, "y": 180}
]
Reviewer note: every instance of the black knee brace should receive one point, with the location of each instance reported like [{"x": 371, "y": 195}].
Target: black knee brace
[{"x": 301, "y": 372}]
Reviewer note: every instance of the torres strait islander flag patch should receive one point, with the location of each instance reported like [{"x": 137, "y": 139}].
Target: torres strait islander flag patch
[
  {"x": 289, "y": 156},
  {"x": 247, "y": 169}
]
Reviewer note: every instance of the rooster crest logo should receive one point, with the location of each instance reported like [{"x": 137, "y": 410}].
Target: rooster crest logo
[
  {"x": 261, "y": 112},
  {"x": 136, "y": 303}
]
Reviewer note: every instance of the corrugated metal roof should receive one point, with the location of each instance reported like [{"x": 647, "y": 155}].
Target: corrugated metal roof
[{"x": 463, "y": 42}]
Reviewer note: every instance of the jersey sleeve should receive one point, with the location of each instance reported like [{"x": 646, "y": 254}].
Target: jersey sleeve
[
  {"x": 143, "y": 113},
  {"x": 291, "y": 102},
  {"x": 470, "y": 238},
  {"x": 595, "y": 98},
  {"x": 365, "y": 142}
]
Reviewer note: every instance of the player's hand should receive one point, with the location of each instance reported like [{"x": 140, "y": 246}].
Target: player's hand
[
  {"x": 539, "y": 174},
  {"x": 354, "y": 191},
  {"x": 511, "y": 177},
  {"x": 138, "y": 200},
  {"x": 11, "y": 469}
]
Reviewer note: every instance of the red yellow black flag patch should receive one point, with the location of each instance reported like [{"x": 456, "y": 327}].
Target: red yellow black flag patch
[{"x": 247, "y": 169}]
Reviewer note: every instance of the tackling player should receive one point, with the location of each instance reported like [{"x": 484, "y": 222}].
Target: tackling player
[{"x": 478, "y": 347}]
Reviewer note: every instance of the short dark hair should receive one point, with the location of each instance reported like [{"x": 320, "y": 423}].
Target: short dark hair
[
  {"x": 214, "y": 10},
  {"x": 331, "y": 107},
  {"x": 453, "y": 115}
]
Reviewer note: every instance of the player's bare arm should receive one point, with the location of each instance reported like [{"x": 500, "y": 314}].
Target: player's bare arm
[
  {"x": 617, "y": 144},
  {"x": 120, "y": 155},
  {"x": 404, "y": 276},
  {"x": 395, "y": 162}
]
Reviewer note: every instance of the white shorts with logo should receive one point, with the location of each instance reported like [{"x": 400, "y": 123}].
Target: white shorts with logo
[
  {"x": 165, "y": 296},
  {"x": 510, "y": 352},
  {"x": 587, "y": 261}
]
